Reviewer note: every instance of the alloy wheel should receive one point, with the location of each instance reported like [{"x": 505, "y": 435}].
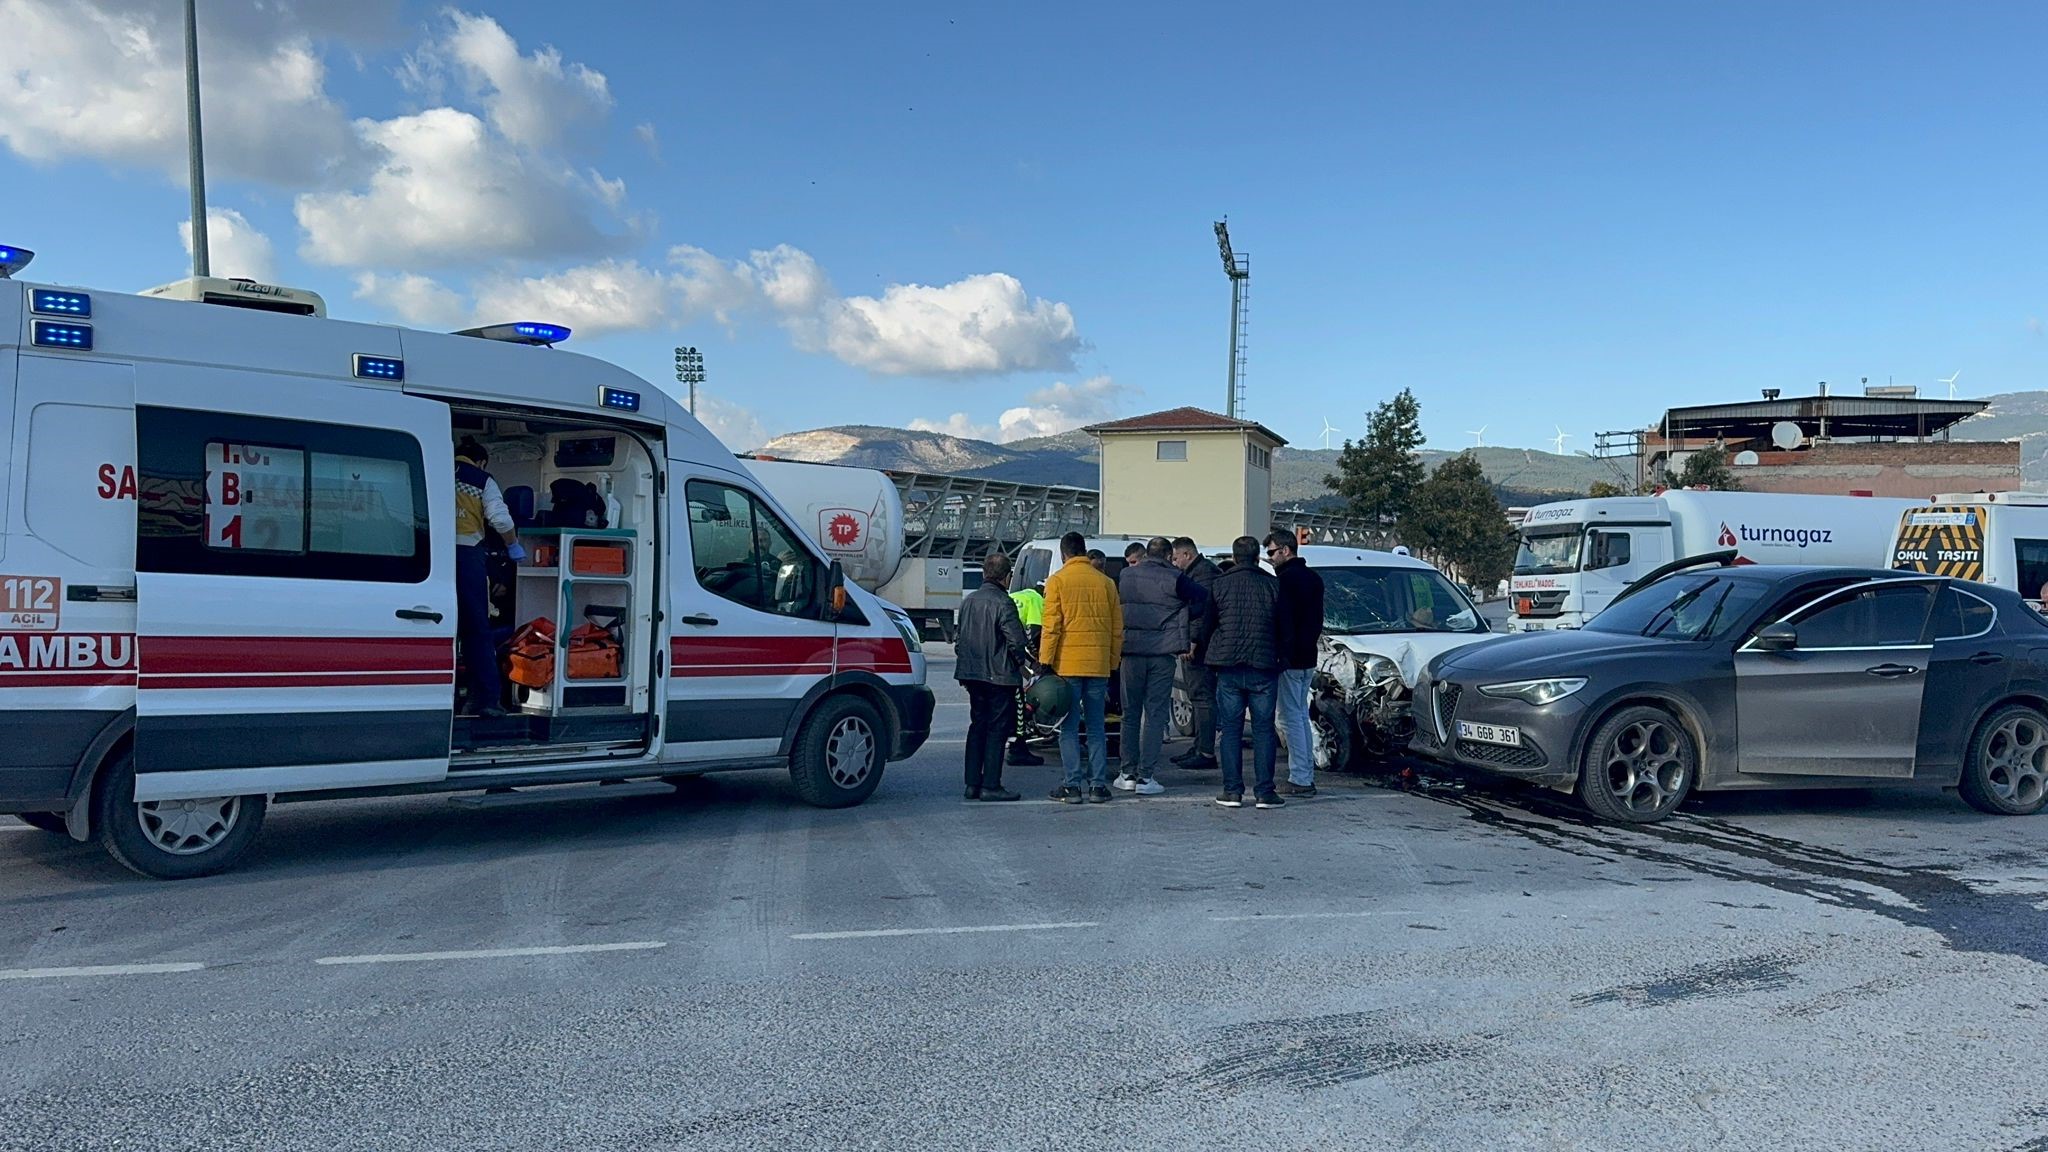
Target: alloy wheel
[
  {"x": 1644, "y": 765},
  {"x": 2016, "y": 761}
]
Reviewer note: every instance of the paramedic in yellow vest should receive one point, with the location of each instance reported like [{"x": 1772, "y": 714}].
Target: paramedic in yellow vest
[
  {"x": 1031, "y": 610},
  {"x": 478, "y": 505}
]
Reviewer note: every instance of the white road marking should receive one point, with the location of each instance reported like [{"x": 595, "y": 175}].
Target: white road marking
[
  {"x": 494, "y": 953},
  {"x": 876, "y": 933},
  {"x": 98, "y": 970},
  {"x": 1305, "y": 916}
]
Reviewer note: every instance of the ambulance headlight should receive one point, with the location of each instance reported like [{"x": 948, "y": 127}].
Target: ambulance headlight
[{"x": 907, "y": 628}]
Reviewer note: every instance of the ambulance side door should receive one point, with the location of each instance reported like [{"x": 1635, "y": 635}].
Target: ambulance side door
[
  {"x": 749, "y": 636},
  {"x": 295, "y": 584}
]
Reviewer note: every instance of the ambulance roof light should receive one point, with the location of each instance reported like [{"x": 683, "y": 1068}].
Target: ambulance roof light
[
  {"x": 13, "y": 260},
  {"x": 524, "y": 332}
]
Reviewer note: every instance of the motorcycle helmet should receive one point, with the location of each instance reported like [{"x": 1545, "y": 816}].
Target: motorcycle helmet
[{"x": 1051, "y": 698}]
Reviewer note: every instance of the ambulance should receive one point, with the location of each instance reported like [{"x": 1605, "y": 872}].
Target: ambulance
[
  {"x": 227, "y": 551},
  {"x": 1991, "y": 537}
]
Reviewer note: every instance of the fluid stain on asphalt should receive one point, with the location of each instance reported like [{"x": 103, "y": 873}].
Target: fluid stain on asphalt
[{"x": 1918, "y": 896}]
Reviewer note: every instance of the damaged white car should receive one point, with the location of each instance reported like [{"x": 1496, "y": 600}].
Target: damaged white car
[{"x": 1384, "y": 618}]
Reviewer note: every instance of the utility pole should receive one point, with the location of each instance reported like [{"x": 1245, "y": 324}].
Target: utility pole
[
  {"x": 690, "y": 372},
  {"x": 1237, "y": 266},
  {"x": 201, "y": 266}
]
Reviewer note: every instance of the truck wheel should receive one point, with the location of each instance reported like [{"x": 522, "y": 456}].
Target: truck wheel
[
  {"x": 173, "y": 839},
  {"x": 47, "y": 821},
  {"x": 1638, "y": 766},
  {"x": 839, "y": 756},
  {"x": 2005, "y": 770}
]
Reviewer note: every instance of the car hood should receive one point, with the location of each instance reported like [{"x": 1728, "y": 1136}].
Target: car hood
[
  {"x": 1561, "y": 653},
  {"x": 1411, "y": 652}
]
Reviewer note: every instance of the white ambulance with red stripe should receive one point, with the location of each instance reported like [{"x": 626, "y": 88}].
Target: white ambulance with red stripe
[{"x": 227, "y": 553}]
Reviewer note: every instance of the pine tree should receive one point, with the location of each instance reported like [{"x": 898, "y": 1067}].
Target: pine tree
[
  {"x": 1457, "y": 518},
  {"x": 1377, "y": 476}
]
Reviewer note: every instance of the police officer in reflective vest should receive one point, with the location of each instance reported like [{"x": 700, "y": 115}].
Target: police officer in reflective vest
[{"x": 1031, "y": 609}]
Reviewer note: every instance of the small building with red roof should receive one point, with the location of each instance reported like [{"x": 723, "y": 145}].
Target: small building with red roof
[{"x": 1186, "y": 472}]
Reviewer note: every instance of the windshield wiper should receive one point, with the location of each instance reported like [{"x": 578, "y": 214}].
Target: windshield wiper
[
  {"x": 1678, "y": 604},
  {"x": 1706, "y": 627}
]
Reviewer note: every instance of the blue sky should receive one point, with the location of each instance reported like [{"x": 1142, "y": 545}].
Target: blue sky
[{"x": 1534, "y": 216}]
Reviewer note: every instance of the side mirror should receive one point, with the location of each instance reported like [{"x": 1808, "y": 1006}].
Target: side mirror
[
  {"x": 1779, "y": 637},
  {"x": 835, "y": 591}
]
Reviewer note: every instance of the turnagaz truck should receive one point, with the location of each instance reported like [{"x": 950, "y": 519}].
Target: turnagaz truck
[{"x": 1577, "y": 555}]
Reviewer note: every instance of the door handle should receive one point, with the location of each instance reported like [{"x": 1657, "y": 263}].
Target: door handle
[
  {"x": 700, "y": 619},
  {"x": 1892, "y": 671},
  {"x": 427, "y": 615},
  {"x": 1987, "y": 658}
]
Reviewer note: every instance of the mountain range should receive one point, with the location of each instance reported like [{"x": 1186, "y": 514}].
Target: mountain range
[{"x": 1521, "y": 476}]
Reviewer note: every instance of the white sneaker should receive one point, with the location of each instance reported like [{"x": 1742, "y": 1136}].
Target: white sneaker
[
  {"x": 1148, "y": 787},
  {"x": 1125, "y": 783}
]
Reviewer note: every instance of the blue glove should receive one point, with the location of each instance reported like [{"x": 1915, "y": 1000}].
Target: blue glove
[{"x": 516, "y": 551}]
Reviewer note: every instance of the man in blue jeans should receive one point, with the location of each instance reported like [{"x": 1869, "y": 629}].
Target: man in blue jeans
[
  {"x": 1298, "y": 629},
  {"x": 1243, "y": 650}
]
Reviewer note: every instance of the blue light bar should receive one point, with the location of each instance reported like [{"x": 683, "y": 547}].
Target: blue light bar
[
  {"x": 13, "y": 260},
  {"x": 379, "y": 367},
  {"x": 46, "y": 302},
  {"x": 619, "y": 398},
  {"x": 525, "y": 332},
  {"x": 52, "y": 334}
]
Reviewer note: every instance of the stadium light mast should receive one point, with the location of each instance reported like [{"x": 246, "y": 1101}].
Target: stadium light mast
[
  {"x": 201, "y": 265},
  {"x": 1237, "y": 266}
]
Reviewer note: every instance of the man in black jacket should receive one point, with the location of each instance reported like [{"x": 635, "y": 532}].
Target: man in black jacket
[
  {"x": 1243, "y": 649},
  {"x": 1199, "y": 678},
  {"x": 1161, "y": 607},
  {"x": 990, "y": 657},
  {"x": 1299, "y": 623}
]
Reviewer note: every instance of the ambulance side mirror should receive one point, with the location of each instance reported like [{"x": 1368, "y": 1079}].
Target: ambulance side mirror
[{"x": 835, "y": 591}]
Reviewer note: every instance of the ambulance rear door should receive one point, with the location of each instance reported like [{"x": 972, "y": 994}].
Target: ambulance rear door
[{"x": 295, "y": 583}]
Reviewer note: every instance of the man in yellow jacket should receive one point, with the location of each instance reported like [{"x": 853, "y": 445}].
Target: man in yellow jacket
[{"x": 1082, "y": 642}]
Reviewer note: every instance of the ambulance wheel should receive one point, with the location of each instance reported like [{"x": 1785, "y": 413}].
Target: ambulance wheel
[
  {"x": 173, "y": 839},
  {"x": 839, "y": 755},
  {"x": 47, "y": 821}
]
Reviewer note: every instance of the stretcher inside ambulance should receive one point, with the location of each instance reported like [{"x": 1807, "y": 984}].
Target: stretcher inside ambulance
[{"x": 227, "y": 573}]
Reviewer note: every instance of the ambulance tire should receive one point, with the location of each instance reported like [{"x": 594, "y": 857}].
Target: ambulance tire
[
  {"x": 838, "y": 758},
  {"x": 206, "y": 849},
  {"x": 47, "y": 821}
]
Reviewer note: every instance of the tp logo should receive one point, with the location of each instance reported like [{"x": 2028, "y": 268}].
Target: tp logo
[
  {"x": 843, "y": 529},
  {"x": 1728, "y": 539}
]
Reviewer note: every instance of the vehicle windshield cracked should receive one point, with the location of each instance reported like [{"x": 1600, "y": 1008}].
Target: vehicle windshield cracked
[
  {"x": 1690, "y": 607},
  {"x": 1365, "y": 601}
]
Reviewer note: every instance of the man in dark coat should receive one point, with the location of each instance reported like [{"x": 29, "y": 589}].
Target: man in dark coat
[
  {"x": 1243, "y": 648},
  {"x": 1198, "y": 677},
  {"x": 1299, "y": 620},
  {"x": 989, "y": 662}
]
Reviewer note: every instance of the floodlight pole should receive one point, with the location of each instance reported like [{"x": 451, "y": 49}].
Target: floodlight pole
[
  {"x": 690, "y": 372},
  {"x": 201, "y": 266}
]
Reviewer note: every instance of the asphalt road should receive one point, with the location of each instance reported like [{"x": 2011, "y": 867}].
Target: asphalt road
[{"x": 727, "y": 968}]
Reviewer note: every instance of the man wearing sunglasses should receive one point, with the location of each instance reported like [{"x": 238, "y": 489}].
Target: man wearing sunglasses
[{"x": 1298, "y": 627}]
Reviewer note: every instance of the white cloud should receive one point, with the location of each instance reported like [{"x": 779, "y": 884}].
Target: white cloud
[
  {"x": 233, "y": 246},
  {"x": 105, "y": 80},
  {"x": 738, "y": 428},
  {"x": 609, "y": 296},
  {"x": 984, "y": 325},
  {"x": 1049, "y": 411},
  {"x": 414, "y": 299},
  {"x": 649, "y": 138},
  {"x": 448, "y": 191},
  {"x": 1060, "y": 408},
  {"x": 958, "y": 424},
  {"x": 533, "y": 100}
]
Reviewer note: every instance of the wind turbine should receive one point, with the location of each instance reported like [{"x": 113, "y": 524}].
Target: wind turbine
[
  {"x": 1951, "y": 382},
  {"x": 1559, "y": 439},
  {"x": 1479, "y": 437},
  {"x": 1329, "y": 430}
]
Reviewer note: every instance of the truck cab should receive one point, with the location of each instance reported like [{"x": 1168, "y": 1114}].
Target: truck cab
[{"x": 1575, "y": 556}]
